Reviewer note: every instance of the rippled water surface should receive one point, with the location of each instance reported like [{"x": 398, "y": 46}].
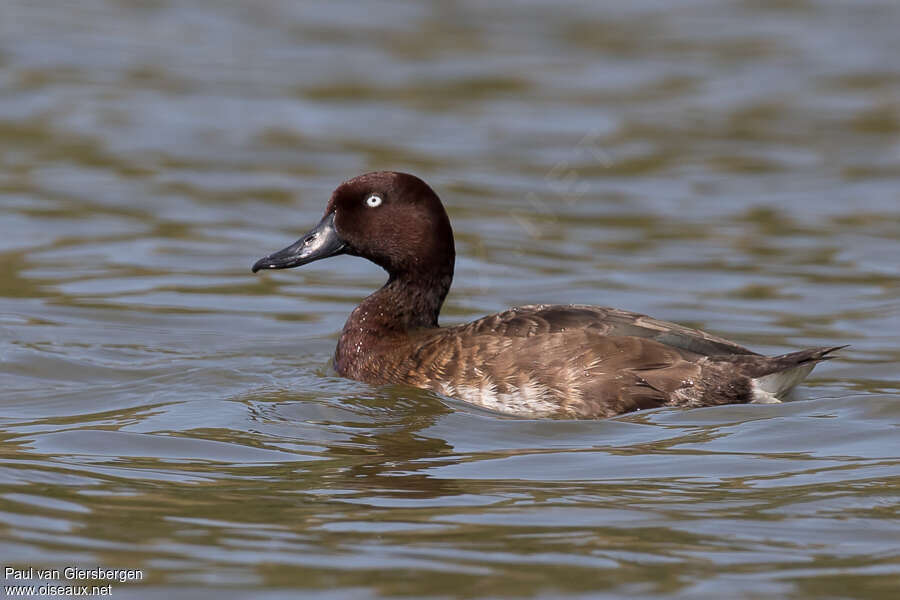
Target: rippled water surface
[{"x": 728, "y": 165}]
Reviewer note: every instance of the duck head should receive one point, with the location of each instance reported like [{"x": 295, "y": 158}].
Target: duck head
[{"x": 393, "y": 219}]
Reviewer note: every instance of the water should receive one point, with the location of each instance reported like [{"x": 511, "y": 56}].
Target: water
[{"x": 732, "y": 166}]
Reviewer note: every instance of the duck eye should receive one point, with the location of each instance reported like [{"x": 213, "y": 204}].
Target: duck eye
[{"x": 373, "y": 201}]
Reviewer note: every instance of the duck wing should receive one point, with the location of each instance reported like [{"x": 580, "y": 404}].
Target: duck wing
[
  {"x": 574, "y": 372},
  {"x": 528, "y": 321}
]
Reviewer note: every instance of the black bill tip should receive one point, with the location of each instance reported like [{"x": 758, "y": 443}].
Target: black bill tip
[
  {"x": 262, "y": 263},
  {"x": 321, "y": 242}
]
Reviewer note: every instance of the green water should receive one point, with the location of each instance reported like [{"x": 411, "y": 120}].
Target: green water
[{"x": 728, "y": 165}]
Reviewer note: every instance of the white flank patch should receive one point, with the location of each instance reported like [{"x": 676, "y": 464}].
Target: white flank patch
[{"x": 530, "y": 400}]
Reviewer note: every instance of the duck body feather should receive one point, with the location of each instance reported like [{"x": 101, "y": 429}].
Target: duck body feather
[{"x": 569, "y": 361}]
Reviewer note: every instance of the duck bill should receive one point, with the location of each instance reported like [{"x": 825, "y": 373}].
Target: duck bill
[{"x": 321, "y": 242}]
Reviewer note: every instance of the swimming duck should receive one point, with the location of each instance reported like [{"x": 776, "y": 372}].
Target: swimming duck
[{"x": 571, "y": 361}]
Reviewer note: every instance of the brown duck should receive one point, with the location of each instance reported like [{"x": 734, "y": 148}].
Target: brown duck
[{"x": 568, "y": 361}]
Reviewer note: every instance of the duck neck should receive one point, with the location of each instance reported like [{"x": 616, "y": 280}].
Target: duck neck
[{"x": 404, "y": 303}]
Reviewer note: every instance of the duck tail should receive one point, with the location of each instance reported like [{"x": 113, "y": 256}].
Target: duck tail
[{"x": 775, "y": 376}]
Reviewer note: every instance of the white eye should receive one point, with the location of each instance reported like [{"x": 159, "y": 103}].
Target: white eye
[{"x": 373, "y": 201}]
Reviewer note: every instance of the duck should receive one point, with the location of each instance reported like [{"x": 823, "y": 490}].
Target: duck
[{"x": 535, "y": 361}]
